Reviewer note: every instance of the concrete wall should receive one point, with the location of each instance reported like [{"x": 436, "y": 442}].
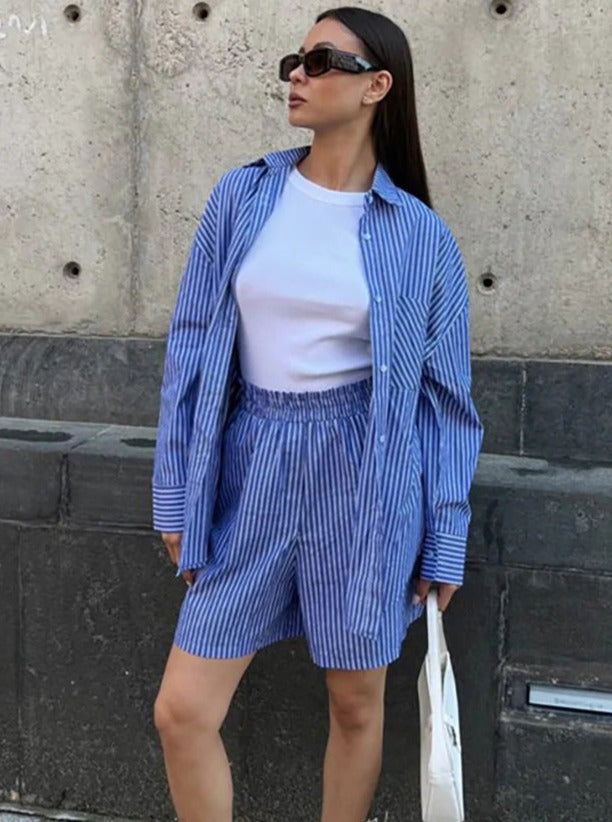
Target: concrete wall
[{"x": 118, "y": 117}]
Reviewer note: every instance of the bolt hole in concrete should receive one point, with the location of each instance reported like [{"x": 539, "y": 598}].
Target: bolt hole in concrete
[
  {"x": 140, "y": 443},
  {"x": 72, "y": 13},
  {"x": 201, "y": 11},
  {"x": 72, "y": 270},
  {"x": 500, "y": 9},
  {"x": 34, "y": 436},
  {"x": 486, "y": 282}
]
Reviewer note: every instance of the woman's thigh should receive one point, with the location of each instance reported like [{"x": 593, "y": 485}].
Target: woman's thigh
[{"x": 197, "y": 690}]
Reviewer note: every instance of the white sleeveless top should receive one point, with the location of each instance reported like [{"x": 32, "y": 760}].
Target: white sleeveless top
[{"x": 302, "y": 295}]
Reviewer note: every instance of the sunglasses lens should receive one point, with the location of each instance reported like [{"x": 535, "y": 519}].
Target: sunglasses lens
[
  {"x": 315, "y": 62},
  {"x": 287, "y": 65}
]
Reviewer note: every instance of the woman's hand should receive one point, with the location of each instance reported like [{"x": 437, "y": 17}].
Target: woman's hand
[
  {"x": 173, "y": 546},
  {"x": 445, "y": 592}
]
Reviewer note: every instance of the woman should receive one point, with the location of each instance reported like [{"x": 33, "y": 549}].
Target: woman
[{"x": 317, "y": 438}]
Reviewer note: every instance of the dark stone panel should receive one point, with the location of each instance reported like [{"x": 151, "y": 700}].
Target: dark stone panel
[
  {"x": 31, "y": 454},
  {"x": 110, "y": 478},
  {"x": 524, "y": 510},
  {"x": 485, "y": 535},
  {"x": 497, "y": 392},
  {"x": 99, "y": 613},
  {"x": 535, "y": 512},
  {"x": 560, "y": 411},
  {"x": 559, "y": 616},
  {"x": 9, "y": 662},
  {"x": 552, "y": 771},
  {"x": 97, "y": 379},
  {"x": 30, "y": 484},
  {"x": 571, "y": 530},
  {"x": 567, "y": 410}
]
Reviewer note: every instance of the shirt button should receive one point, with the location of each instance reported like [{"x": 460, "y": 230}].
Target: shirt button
[
  {"x": 369, "y": 197},
  {"x": 378, "y": 298},
  {"x": 383, "y": 368},
  {"x": 367, "y": 236},
  {"x": 381, "y": 438}
]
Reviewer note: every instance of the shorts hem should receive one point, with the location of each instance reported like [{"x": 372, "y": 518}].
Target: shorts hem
[
  {"x": 355, "y": 665},
  {"x": 232, "y": 652}
]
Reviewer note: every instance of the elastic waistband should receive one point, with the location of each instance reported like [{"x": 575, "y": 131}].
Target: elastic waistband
[{"x": 339, "y": 401}]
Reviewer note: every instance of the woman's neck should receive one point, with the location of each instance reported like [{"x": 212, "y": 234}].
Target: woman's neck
[{"x": 339, "y": 163}]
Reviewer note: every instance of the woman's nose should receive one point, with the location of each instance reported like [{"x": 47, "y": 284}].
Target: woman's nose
[{"x": 298, "y": 73}]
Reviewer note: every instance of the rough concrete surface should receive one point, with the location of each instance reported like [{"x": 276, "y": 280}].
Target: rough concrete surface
[
  {"x": 121, "y": 121},
  {"x": 68, "y": 191}
]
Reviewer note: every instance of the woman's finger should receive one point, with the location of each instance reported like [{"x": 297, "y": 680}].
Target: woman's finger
[
  {"x": 445, "y": 594},
  {"x": 173, "y": 551},
  {"x": 173, "y": 546},
  {"x": 421, "y": 590}
]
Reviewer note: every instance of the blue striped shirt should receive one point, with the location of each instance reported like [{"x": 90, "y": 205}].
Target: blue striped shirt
[{"x": 426, "y": 433}]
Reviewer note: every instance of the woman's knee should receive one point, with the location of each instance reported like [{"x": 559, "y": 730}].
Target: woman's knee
[
  {"x": 195, "y": 693},
  {"x": 354, "y": 713},
  {"x": 356, "y": 702},
  {"x": 174, "y": 715}
]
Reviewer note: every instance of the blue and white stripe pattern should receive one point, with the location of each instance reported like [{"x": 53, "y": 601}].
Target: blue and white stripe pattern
[
  {"x": 419, "y": 328},
  {"x": 280, "y": 546}
]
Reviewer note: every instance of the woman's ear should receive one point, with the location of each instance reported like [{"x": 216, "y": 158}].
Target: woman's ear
[{"x": 379, "y": 87}]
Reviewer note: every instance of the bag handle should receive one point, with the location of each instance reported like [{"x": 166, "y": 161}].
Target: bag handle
[{"x": 436, "y": 650}]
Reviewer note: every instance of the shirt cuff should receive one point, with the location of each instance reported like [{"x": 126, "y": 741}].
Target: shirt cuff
[
  {"x": 443, "y": 558},
  {"x": 168, "y": 508}
]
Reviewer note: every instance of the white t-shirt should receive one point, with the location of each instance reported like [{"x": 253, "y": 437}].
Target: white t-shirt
[{"x": 302, "y": 294}]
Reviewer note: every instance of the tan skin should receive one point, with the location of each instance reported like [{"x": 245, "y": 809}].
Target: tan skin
[{"x": 195, "y": 693}]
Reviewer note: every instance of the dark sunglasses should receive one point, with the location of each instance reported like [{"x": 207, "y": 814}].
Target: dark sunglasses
[{"x": 321, "y": 60}]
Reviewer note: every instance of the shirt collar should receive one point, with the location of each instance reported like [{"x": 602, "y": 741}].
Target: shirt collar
[{"x": 382, "y": 184}]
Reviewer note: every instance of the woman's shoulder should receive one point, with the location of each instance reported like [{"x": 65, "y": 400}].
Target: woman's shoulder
[
  {"x": 229, "y": 190},
  {"x": 424, "y": 219},
  {"x": 237, "y": 178}
]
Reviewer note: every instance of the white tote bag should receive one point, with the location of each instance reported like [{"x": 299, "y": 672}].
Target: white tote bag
[{"x": 441, "y": 770}]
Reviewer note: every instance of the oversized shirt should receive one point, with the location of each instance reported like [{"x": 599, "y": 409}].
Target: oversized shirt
[{"x": 424, "y": 433}]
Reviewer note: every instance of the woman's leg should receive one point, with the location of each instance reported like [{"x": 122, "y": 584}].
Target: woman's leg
[
  {"x": 353, "y": 757},
  {"x": 193, "y": 700}
]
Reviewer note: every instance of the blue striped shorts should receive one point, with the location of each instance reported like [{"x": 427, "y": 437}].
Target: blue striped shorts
[{"x": 280, "y": 537}]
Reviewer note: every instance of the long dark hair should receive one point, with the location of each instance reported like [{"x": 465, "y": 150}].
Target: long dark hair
[{"x": 395, "y": 127}]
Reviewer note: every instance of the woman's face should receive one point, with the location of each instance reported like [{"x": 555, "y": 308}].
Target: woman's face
[{"x": 334, "y": 99}]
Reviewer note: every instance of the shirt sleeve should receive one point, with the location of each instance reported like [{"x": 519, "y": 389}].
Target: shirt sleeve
[
  {"x": 181, "y": 374},
  {"x": 449, "y": 425}
]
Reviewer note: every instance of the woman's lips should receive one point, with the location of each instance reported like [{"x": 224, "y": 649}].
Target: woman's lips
[{"x": 295, "y": 100}]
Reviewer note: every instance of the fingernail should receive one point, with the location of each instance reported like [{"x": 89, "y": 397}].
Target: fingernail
[{"x": 416, "y": 599}]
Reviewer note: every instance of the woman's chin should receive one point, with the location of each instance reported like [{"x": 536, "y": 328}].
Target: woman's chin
[{"x": 298, "y": 120}]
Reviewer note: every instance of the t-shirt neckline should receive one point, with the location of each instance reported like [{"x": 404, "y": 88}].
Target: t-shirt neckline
[{"x": 328, "y": 195}]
